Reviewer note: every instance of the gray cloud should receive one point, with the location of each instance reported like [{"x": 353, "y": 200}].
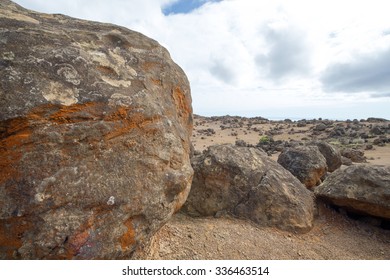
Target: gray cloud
[
  {"x": 380, "y": 95},
  {"x": 367, "y": 73},
  {"x": 220, "y": 70},
  {"x": 386, "y": 32},
  {"x": 288, "y": 54}
]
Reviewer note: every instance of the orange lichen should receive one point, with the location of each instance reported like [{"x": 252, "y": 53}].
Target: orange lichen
[
  {"x": 77, "y": 241},
  {"x": 181, "y": 102},
  {"x": 78, "y": 113},
  {"x": 149, "y": 65},
  {"x": 128, "y": 238},
  {"x": 15, "y": 133},
  {"x": 126, "y": 121},
  {"x": 157, "y": 82}
]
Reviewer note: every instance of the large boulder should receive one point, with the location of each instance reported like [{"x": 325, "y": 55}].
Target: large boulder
[
  {"x": 332, "y": 155},
  {"x": 244, "y": 182},
  {"x": 363, "y": 189},
  {"x": 304, "y": 162},
  {"x": 95, "y": 121}
]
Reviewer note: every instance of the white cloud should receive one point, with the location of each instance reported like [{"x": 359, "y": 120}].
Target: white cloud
[{"x": 258, "y": 56}]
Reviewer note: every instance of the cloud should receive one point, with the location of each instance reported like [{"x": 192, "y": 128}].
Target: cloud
[
  {"x": 288, "y": 53},
  {"x": 367, "y": 73},
  {"x": 224, "y": 72},
  {"x": 386, "y": 32},
  {"x": 253, "y": 55},
  {"x": 380, "y": 95}
]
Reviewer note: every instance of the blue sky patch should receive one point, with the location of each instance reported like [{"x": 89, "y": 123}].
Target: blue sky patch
[{"x": 185, "y": 6}]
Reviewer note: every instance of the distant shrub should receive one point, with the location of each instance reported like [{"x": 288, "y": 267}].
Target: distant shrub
[{"x": 265, "y": 140}]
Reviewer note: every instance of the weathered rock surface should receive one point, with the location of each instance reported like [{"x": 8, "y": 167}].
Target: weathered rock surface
[
  {"x": 246, "y": 183},
  {"x": 361, "y": 188},
  {"x": 304, "y": 162},
  {"x": 332, "y": 155},
  {"x": 95, "y": 122}
]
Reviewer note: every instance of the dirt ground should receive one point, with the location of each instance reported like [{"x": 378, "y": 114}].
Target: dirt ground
[{"x": 334, "y": 235}]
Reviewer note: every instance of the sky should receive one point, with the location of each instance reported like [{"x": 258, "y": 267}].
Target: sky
[{"x": 276, "y": 59}]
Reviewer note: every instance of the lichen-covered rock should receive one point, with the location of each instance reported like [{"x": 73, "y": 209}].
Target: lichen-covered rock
[
  {"x": 304, "y": 162},
  {"x": 244, "y": 182},
  {"x": 95, "y": 121},
  {"x": 363, "y": 189}
]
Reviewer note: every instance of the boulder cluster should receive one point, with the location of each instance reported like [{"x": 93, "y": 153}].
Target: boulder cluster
[{"x": 244, "y": 182}]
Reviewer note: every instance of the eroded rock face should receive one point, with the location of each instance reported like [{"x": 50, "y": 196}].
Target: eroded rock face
[
  {"x": 95, "y": 122},
  {"x": 246, "y": 183},
  {"x": 304, "y": 162},
  {"x": 361, "y": 188}
]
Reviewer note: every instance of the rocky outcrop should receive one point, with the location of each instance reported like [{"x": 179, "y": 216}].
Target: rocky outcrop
[
  {"x": 363, "y": 189},
  {"x": 95, "y": 121},
  {"x": 246, "y": 183},
  {"x": 304, "y": 162}
]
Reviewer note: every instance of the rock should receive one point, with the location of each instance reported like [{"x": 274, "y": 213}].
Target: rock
[
  {"x": 338, "y": 131},
  {"x": 364, "y": 135},
  {"x": 381, "y": 141},
  {"x": 320, "y": 127},
  {"x": 241, "y": 143},
  {"x": 354, "y": 155},
  {"x": 95, "y": 122},
  {"x": 364, "y": 189},
  {"x": 377, "y": 130},
  {"x": 332, "y": 155},
  {"x": 207, "y": 132},
  {"x": 369, "y": 147},
  {"x": 376, "y": 120},
  {"x": 346, "y": 161},
  {"x": 304, "y": 162},
  {"x": 246, "y": 183}
]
